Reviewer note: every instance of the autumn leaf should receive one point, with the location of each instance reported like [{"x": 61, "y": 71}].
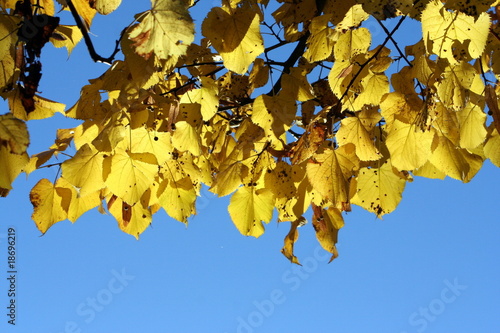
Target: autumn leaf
[
  {"x": 326, "y": 176},
  {"x": 105, "y": 7},
  {"x": 291, "y": 238},
  {"x": 7, "y": 51},
  {"x": 492, "y": 146},
  {"x": 455, "y": 162},
  {"x": 250, "y": 207},
  {"x": 177, "y": 197},
  {"x": 235, "y": 34},
  {"x": 83, "y": 8},
  {"x": 327, "y": 223},
  {"x": 352, "y": 43},
  {"x": 165, "y": 30},
  {"x": 273, "y": 114},
  {"x": 442, "y": 28},
  {"x": 13, "y": 134},
  {"x": 77, "y": 204},
  {"x": 48, "y": 205},
  {"x": 11, "y": 166},
  {"x": 130, "y": 175},
  {"x": 67, "y": 36},
  {"x": 85, "y": 170},
  {"x": 353, "y": 131},
  {"x": 132, "y": 219},
  {"x": 379, "y": 189},
  {"x": 322, "y": 39},
  {"x": 410, "y": 146}
]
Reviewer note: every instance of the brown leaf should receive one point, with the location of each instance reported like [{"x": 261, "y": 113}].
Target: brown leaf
[
  {"x": 290, "y": 240},
  {"x": 492, "y": 101}
]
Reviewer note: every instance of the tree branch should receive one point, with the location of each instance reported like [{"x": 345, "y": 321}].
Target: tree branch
[
  {"x": 83, "y": 28},
  {"x": 389, "y": 36},
  {"x": 297, "y": 52}
]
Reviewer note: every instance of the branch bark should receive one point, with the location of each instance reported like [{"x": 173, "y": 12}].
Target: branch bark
[{"x": 83, "y": 28}]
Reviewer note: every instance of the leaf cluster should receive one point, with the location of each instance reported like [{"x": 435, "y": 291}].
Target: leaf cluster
[{"x": 334, "y": 121}]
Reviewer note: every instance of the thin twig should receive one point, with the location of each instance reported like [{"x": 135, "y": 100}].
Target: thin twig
[
  {"x": 363, "y": 65},
  {"x": 83, "y": 28}
]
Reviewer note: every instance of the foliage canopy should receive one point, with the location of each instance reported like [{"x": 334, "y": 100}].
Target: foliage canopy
[{"x": 333, "y": 121}]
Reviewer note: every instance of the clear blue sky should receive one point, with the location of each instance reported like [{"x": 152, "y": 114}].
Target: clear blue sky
[{"x": 431, "y": 266}]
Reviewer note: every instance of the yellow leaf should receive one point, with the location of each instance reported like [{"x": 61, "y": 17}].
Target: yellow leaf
[
  {"x": 492, "y": 146},
  {"x": 472, "y": 8},
  {"x": 37, "y": 160},
  {"x": 132, "y": 219},
  {"x": 44, "y": 108},
  {"x": 326, "y": 176},
  {"x": 353, "y": 131},
  {"x": 259, "y": 75},
  {"x": 85, "y": 170},
  {"x": 186, "y": 138},
  {"x": 443, "y": 28},
  {"x": 166, "y": 30},
  {"x": 456, "y": 80},
  {"x": 291, "y": 238},
  {"x": 8, "y": 4},
  {"x": 396, "y": 105},
  {"x": 129, "y": 177},
  {"x": 274, "y": 114},
  {"x": 227, "y": 179},
  {"x": 327, "y": 223},
  {"x": 347, "y": 75},
  {"x": 147, "y": 141},
  {"x": 379, "y": 189},
  {"x": 429, "y": 171},
  {"x": 295, "y": 12},
  {"x": 492, "y": 102},
  {"x": 177, "y": 197},
  {"x": 104, "y": 7},
  {"x": 144, "y": 72},
  {"x": 8, "y": 24},
  {"x": 68, "y": 36},
  {"x": 83, "y": 8},
  {"x": 374, "y": 87},
  {"x": 206, "y": 96},
  {"x": 472, "y": 126},
  {"x": 248, "y": 207},
  {"x": 296, "y": 85},
  {"x": 445, "y": 122},
  {"x": 423, "y": 68},
  {"x": 410, "y": 147},
  {"x": 382, "y": 10},
  {"x": 48, "y": 206},
  {"x": 455, "y": 162},
  {"x": 235, "y": 34},
  {"x": 13, "y": 134},
  {"x": 322, "y": 39},
  {"x": 110, "y": 137},
  {"x": 11, "y": 166},
  {"x": 77, "y": 204},
  {"x": 353, "y": 17},
  {"x": 280, "y": 180},
  {"x": 352, "y": 43},
  {"x": 88, "y": 105}
]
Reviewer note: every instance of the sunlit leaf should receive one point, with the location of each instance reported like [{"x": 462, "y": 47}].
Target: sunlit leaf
[
  {"x": 379, "y": 189},
  {"x": 48, "y": 205},
  {"x": 235, "y": 34},
  {"x": 166, "y": 30},
  {"x": 130, "y": 175},
  {"x": 410, "y": 147},
  {"x": 249, "y": 207}
]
